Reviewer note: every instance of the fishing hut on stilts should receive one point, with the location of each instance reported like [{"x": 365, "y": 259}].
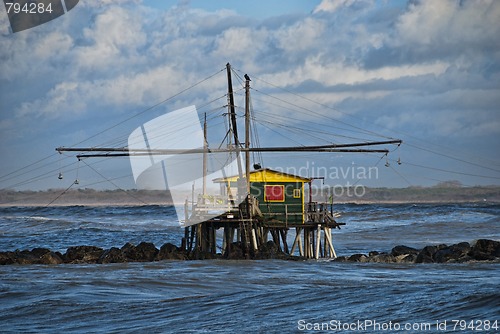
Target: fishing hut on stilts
[
  {"x": 274, "y": 205},
  {"x": 254, "y": 207},
  {"x": 263, "y": 205}
]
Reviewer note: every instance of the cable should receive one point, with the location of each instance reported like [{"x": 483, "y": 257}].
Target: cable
[
  {"x": 452, "y": 172},
  {"x": 114, "y": 184},
  {"x": 55, "y": 199},
  {"x": 149, "y": 108}
]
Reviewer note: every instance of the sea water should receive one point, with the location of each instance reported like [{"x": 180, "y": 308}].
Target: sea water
[{"x": 265, "y": 296}]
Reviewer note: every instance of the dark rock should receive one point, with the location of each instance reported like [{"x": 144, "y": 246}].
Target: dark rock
[
  {"x": 170, "y": 252},
  {"x": 427, "y": 254},
  {"x": 147, "y": 251},
  {"x": 202, "y": 256},
  {"x": 406, "y": 258},
  {"x": 51, "y": 258},
  {"x": 452, "y": 253},
  {"x": 270, "y": 250},
  {"x": 143, "y": 252},
  {"x": 373, "y": 253},
  {"x": 24, "y": 257},
  {"x": 485, "y": 250},
  {"x": 127, "y": 247},
  {"x": 39, "y": 252},
  {"x": 130, "y": 252},
  {"x": 341, "y": 259},
  {"x": 404, "y": 250},
  {"x": 235, "y": 252},
  {"x": 83, "y": 254},
  {"x": 112, "y": 255},
  {"x": 6, "y": 258},
  {"x": 381, "y": 258},
  {"x": 357, "y": 258}
]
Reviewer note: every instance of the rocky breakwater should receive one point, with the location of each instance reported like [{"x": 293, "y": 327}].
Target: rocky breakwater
[
  {"x": 143, "y": 252},
  {"x": 481, "y": 250}
]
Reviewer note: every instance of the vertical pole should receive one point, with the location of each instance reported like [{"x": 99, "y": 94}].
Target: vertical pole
[
  {"x": 234, "y": 127},
  {"x": 224, "y": 240},
  {"x": 247, "y": 131},
  {"x": 186, "y": 229},
  {"x": 318, "y": 241},
  {"x": 307, "y": 243},
  {"x": 233, "y": 124},
  {"x": 254, "y": 240},
  {"x": 205, "y": 148},
  {"x": 247, "y": 162},
  {"x": 329, "y": 237},
  {"x": 296, "y": 241}
]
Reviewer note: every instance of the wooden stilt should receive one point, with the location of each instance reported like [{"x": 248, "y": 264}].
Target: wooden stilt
[
  {"x": 224, "y": 241},
  {"x": 265, "y": 235},
  {"x": 191, "y": 239},
  {"x": 329, "y": 238},
  {"x": 307, "y": 243},
  {"x": 254, "y": 240},
  {"x": 301, "y": 249},
  {"x": 312, "y": 240},
  {"x": 296, "y": 240},
  {"x": 213, "y": 239},
  {"x": 318, "y": 239},
  {"x": 283, "y": 233},
  {"x": 198, "y": 237}
]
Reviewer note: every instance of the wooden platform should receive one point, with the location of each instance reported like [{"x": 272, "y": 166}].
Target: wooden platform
[{"x": 247, "y": 226}]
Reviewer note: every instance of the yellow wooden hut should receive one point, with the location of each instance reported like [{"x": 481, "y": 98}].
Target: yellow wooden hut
[{"x": 280, "y": 195}]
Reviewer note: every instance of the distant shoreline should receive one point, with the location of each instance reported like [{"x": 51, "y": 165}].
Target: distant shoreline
[
  {"x": 123, "y": 204},
  {"x": 91, "y": 197}
]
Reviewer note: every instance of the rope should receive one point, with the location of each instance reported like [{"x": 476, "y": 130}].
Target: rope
[
  {"x": 315, "y": 102},
  {"x": 114, "y": 184},
  {"x": 452, "y": 172},
  {"x": 149, "y": 108},
  {"x": 55, "y": 199}
]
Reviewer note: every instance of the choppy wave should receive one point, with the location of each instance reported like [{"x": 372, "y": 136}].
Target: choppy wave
[{"x": 268, "y": 296}]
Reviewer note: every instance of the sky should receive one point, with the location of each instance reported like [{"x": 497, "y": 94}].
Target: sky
[{"x": 425, "y": 72}]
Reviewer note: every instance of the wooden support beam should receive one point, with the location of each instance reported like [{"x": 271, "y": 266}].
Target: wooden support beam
[
  {"x": 283, "y": 233},
  {"x": 328, "y": 236},
  {"x": 254, "y": 240},
  {"x": 213, "y": 239},
  {"x": 296, "y": 241},
  {"x": 307, "y": 243},
  {"x": 318, "y": 241}
]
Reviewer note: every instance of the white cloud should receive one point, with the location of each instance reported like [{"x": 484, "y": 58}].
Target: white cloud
[
  {"x": 407, "y": 68},
  {"x": 333, "y": 5},
  {"x": 115, "y": 36},
  {"x": 301, "y": 36},
  {"x": 450, "y": 26}
]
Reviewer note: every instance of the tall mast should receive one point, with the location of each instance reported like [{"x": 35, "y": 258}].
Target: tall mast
[
  {"x": 205, "y": 149},
  {"x": 232, "y": 113},
  {"x": 247, "y": 131},
  {"x": 234, "y": 127}
]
